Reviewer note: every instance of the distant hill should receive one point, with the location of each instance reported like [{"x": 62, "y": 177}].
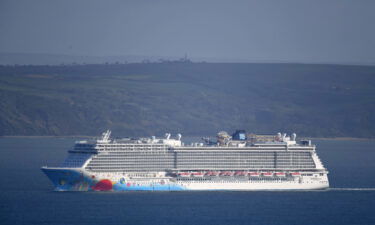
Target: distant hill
[
  {"x": 36, "y": 59},
  {"x": 59, "y": 59},
  {"x": 191, "y": 98}
]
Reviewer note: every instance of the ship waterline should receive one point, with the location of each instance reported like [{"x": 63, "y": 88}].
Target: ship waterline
[{"x": 237, "y": 162}]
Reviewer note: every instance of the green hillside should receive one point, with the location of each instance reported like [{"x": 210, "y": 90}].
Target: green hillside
[{"x": 191, "y": 98}]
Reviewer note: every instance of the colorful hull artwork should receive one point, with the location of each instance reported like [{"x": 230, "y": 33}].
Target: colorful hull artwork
[
  {"x": 167, "y": 164},
  {"x": 75, "y": 180}
]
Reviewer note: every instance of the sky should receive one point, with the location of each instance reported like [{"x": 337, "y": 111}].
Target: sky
[{"x": 338, "y": 31}]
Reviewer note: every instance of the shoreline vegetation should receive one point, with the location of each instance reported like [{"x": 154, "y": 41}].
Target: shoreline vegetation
[{"x": 144, "y": 99}]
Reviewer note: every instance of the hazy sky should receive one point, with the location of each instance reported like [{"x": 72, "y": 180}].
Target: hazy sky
[{"x": 287, "y": 30}]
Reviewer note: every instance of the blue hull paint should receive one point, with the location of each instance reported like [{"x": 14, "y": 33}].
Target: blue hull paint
[{"x": 68, "y": 180}]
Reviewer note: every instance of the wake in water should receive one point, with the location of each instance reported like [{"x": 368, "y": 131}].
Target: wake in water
[{"x": 351, "y": 189}]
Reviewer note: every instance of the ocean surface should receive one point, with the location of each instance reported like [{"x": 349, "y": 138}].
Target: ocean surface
[{"x": 27, "y": 196}]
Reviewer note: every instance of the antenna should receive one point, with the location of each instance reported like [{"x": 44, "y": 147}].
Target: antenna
[
  {"x": 106, "y": 135},
  {"x": 167, "y": 135}
]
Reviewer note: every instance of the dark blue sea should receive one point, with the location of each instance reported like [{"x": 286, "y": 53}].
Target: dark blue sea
[{"x": 26, "y": 195}]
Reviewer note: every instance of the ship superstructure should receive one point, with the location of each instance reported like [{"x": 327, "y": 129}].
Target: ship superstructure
[{"x": 237, "y": 162}]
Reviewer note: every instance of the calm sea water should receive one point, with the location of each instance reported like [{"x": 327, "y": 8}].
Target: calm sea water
[{"x": 26, "y": 195}]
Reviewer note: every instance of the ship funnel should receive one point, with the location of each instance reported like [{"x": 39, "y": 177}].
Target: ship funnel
[
  {"x": 167, "y": 135},
  {"x": 179, "y": 137}
]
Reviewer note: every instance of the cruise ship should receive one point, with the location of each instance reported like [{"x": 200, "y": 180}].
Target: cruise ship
[{"x": 238, "y": 162}]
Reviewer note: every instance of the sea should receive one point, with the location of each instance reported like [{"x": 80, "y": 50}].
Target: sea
[{"x": 27, "y": 196}]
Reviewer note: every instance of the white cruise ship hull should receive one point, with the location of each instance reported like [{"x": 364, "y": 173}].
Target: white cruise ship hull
[
  {"x": 66, "y": 179},
  {"x": 168, "y": 165},
  {"x": 251, "y": 186}
]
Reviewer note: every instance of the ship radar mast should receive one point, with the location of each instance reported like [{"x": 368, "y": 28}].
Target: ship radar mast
[{"x": 105, "y": 137}]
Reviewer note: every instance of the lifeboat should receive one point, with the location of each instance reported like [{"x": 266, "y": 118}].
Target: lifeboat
[
  {"x": 239, "y": 173},
  {"x": 267, "y": 174},
  {"x": 184, "y": 174},
  {"x": 295, "y": 174},
  {"x": 214, "y": 173},
  {"x": 254, "y": 174},
  {"x": 197, "y": 174},
  {"x": 229, "y": 173},
  {"x": 226, "y": 173},
  {"x": 280, "y": 174},
  {"x": 211, "y": 173}
]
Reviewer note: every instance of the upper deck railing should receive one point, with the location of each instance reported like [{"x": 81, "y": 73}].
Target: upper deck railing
[{"x": 279, "y": 143}]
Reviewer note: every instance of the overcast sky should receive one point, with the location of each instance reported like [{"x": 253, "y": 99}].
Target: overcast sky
[{"x": 286, "y": 30}]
